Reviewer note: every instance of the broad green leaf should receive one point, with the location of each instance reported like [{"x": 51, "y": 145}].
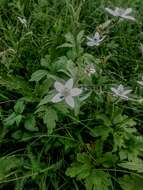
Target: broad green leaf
[
  {"x": 102, "y": 131},
  {"x": 10, "y": 120},
  {"x": 38, "y": 75},
  {"x": 17, "y": 134},
  {"x": 45, "y": 61},
  {"x": 136, "y": 165},
  {"x": 79, "y": 170},
  {"x": 30, "y": 123},
  {"x": 46, "y": 99},
  {"x": 131, "y": 182},
  {"x": 19, "y": 106},
  {"x": 18, "y": 119},
  {"x": 98, "y": 180},
  {"x": 50, "y": 117},
  {"x": 70, "y": 38}
]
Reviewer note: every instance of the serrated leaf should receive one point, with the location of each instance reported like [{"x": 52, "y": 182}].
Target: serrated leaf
[
  {"x": 50, "y": 117},
  {"x": 98, "y": 180},
  {"x": 45, "y": 61},
  {"x": 81, "y": 171},
  {"x": 131, "y": 182},
  {"x": 80, "y": 37},
  {"x": 30, "y": 123},
  {"x": 70, "y": 38},
  {"x": 136, "y": 165},
  {"x": 38, "y": 75}
]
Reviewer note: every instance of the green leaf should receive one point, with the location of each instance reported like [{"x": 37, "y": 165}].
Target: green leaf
[
  {"x": 98, "y": 180},
  {"x": 38, "y": 75},
  {"x": 18, "y": 119},
  {"x": 10, "y": 120},
  {"x": 30, "y": 123},
  {"x": 46, "y": 99},
  {"x": 19, "y": 106},
  {"x": 131, "y": 182},
  {"x": 45, "y": 61},
  {"x": 50, "y": 117},
  {"x": 17, "y": 134},
  {"x": 7, "y": 164},
  {"x": 80, "y": 37},
  {"x": 102, "y": 131},
  {"x": 81, "y": 171},
  {"x": 136, "y": 165}
]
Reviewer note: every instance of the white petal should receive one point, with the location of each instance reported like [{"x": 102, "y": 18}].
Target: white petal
[
  {"x": 127, "y": 92},
  {"x": 70, "y": 101},
  {"x": 57, "y": 98},
  {"x": 124, "y": 97},
  {"x": 140, "y": 82},
  {"x": 91, "y": 44},
  {"x": 128, "y": 17},
  {"x": 58, "y": 86},
  {"x": 114, "y": 90},
  {"x": 120, "y": 88},
  {"x": 97, "y": 36},
  {"x": 110, "y": 11},
  {"x": 128, "y": 11},
  {"x": 89, "y": 38},
  {"x": 69, "y": 84},
  {"x": 75, "y": 92}
]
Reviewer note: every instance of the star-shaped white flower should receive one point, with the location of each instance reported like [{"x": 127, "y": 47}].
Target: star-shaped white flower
[
  {"x": 120, "y": 12},
  {"x": 66, "y": 92},
  {"x": 141, "y": 49},
  {"x": 140, "y": 82},
  {"x": 90, "y": 69},
  {"x": 95, "y": 40},
  {"x": 23, "y": 21},
  {"x": 121, "y": 92}
]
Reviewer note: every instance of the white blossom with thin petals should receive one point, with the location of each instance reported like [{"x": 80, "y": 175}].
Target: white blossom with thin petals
[
  {"x": 140, "y": 82},
  {"x": 121, "y": 92},
  {"x": 66, "y": 92},
  {"x": 23, "y": 21},
  {"x": 122, "y": 13},
  {"x": 141, "y": 49},
  {"x": 90, "y": 69},
  {"x": 95, "y": 40}
]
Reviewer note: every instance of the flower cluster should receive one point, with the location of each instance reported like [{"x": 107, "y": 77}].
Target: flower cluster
[{"x": 67, "y": 92}]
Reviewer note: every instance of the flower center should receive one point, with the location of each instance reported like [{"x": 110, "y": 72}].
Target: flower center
[{"x": 66, "y": 92}]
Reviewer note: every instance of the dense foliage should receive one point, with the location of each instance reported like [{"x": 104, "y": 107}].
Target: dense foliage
[{"x": 71, "y": 95}]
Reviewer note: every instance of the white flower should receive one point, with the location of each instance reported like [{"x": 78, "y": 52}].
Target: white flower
[
  {"x": 141, "y": 49},
  {"x": 23, "y": 21},
  {"x": 140, "y": 82},
  {"x": 66, "y": 92},
  {"x": 120, "y": 12},
  {"x": 90, "y": 69},
  {"x": 121, "y": 92},
  {"x": 95, "y": 40}
]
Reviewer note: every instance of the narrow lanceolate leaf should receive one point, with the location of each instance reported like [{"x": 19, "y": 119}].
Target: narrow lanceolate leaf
[
  {"x": 38, "y": 75},
  {"x": 50, "y": 117}
]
